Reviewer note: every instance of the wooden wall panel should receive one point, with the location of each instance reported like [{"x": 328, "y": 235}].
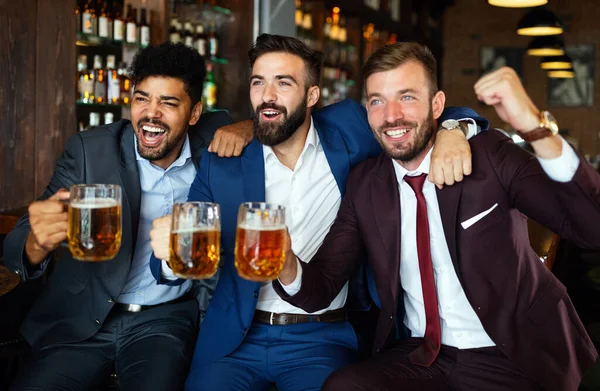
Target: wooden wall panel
[
  {"x": 17, "y": 101},
  {"x": 55, "y": 85}
]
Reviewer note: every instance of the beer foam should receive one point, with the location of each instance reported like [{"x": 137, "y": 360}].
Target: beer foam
[
  {"x": 192, "y": 230},
  {"x": 96, "y": 203},
  {"x": 258, "y": 227}
]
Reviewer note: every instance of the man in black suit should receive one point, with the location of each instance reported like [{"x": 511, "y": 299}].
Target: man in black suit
[{"x": 96, "y": 316}]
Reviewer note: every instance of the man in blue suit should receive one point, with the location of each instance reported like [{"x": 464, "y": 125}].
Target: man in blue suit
[{"x": 250, "y": 337}]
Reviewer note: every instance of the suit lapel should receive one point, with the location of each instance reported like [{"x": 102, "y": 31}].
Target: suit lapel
[
  {"x": 385, "y": 202},
  {"x": 448, "y": 199},
  {"x": 130, "y": 183},
  {"x": 336, "y": 154},
  {"x": 253, "y": 171}
]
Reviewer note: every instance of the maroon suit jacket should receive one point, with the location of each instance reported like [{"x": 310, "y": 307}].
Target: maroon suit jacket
[{"x": 522, "y": 306}]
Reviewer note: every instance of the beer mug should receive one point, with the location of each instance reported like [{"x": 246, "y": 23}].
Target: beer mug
[
  {"x": 95, "y": 228},
  {"x": 260, "y": 240},
  {"x": 195, "y": 243}
]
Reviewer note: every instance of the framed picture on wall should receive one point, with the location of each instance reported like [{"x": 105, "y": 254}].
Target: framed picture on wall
[
  {"x": 494, "y": 58},
  {"x": 578, "y": 91}
]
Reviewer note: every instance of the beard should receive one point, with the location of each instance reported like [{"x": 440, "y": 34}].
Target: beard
[
  {"x": 271, "y": 134},
  {"x": 424, "y": 134},
  {"x": 162, "y": 150}
]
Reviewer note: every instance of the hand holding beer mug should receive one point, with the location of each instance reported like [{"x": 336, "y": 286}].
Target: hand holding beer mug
[
  {"x": 260, "y": 241},
  {"x": 94, "y": 231},
  {"x": 195, "y": 243}
]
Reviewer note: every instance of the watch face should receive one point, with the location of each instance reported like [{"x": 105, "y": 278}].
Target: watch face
[
  {"x": 450, "y": 124},
  {"x": 550, "y": 122}
]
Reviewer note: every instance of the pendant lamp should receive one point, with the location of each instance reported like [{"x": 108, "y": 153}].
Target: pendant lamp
[{"x": 540, "y": 21}]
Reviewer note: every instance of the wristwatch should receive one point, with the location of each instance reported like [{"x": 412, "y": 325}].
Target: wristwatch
[
  {"x": 548, "y": 127},
  {"x": 450, "y": 124}
]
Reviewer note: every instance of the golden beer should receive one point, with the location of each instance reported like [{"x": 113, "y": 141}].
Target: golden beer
[
  {"x": 195, "y": 253},
  {"x": 94, "y": 231},
  {"x": 259, "y": 252}
]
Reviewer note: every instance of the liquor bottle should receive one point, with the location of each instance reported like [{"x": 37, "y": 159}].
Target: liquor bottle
[
  {"x": 104, "y": 22},
  {"x": 188, "y": 34},
  {"x": 213, "y": 41},
  {"x": 78, "y": 16},
  {"x": 200, "y": 44},
  {"x": 131, "y": 27},
  {"x": 144, "y": 29},
  {"x": 118, "y": 23},
  {"x": 125, "y": 84},
  {"x": 99, "y": 80},
  {"x": 307, "y": 27},
  {"x": 94, "y": 120},
  {"x": 88, "y": 19},
  {"x": 209, "y": 93},
  {"x": 109, "y": 118},
  {"x": 174, "y": 34},
  {"x": 85, "y": 81},
  {"x": 298, "y": 17},
  {"x": 114, "y": 82}
]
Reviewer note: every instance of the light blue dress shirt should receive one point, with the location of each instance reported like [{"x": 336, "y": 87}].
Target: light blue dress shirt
[{"x": 160, "y": 189}]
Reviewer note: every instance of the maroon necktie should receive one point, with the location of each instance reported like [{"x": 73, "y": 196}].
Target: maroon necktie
[{"x": 425, "y": 354}]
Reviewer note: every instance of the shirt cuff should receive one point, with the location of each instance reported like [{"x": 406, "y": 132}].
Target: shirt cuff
[
  {"x": 471, "y": 128},
  {"x": 295, "y": 286},
  {"x": 562, "y": 168},
  {"x": 166, "y": 272}
]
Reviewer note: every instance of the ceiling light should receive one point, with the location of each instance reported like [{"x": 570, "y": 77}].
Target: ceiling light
[
  {"x": 556, "y": 62},
  {"x": 538, "y": 22},
  {"x": 546, "y": 46},
  {"x": 517, "y": 3}
]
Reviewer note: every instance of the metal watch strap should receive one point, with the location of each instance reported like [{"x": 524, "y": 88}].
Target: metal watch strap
[{"x": 536, "y": 134}]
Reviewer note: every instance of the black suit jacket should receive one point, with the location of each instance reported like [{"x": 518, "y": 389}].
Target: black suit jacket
[
  {"x": 79, "y": 295},
  {"x": 524, "y": 309}
]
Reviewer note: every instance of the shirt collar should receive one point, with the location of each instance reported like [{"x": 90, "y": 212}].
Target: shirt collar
[
  {"x": 184, "y": 156},
  {"x": 311, "y": 139},
  {"x": 422, "y": 169}
]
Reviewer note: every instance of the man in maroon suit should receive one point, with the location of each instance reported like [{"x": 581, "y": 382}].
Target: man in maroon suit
[{"x": 483, "y": 311}]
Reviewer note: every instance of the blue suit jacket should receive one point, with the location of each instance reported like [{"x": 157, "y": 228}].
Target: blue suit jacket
[{"x": 346, "y": 139}]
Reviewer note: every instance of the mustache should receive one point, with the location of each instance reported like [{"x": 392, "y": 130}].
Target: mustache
[
  {"x": 397, "y": 124},
  {"x": 270, "y": 105},
  {"x": 153, "y": 122}
]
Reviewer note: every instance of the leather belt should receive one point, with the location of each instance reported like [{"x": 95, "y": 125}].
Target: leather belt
[
  {"x": 139, "y": 307},
  {"x": 273, "y": 318}
]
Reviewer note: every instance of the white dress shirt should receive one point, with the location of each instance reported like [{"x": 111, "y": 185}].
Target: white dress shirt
[
  {"x": 311, "y": 198},
  {"x": 460, "y": 325}
]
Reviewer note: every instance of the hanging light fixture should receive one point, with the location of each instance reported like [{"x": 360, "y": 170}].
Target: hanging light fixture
[
  {"x": 556, "y": 62},
  {"x": 561, "y": 74},
  {"x": 546, "y": 46},
  {"x": 517, "y": 3},
  {"x": 540, "y": 21}
]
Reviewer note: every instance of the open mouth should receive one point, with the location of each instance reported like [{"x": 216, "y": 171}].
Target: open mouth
[
  {"x": 397, "y": 133},
  {"x": 269, "y": 115},
  {"x": 152, "y": 135}
]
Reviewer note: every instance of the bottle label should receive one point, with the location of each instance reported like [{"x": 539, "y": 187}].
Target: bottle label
[
  {"x": 86, "y": 89},
  {"x": 100, "y": 92},
  {"x": 210, "y": 94},
  {"x": 213, "y": 46},
  {"x": 131, "y": 33},
  {"x": 114, "y": 91},
  {"x": 118, "y": 30},
  {"x": 189, "y": 41},
  {"x": 86, "y": 23},
  {"x": 103, "y": 27},
  {"x": 145, "y": 36},
  {"x": 175, "y": 38},
  {"x": 201, "y": 46}
]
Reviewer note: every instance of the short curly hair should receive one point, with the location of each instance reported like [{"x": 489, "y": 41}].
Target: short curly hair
[{"x": 171, "y": 60}]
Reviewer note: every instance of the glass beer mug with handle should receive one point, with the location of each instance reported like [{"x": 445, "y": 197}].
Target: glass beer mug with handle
[
  {"x": 260, "y": 240},
  {"x": 195, "y": 243},
  {"x": 95, "y": 228}
]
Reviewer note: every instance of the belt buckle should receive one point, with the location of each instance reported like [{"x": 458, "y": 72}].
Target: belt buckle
[
  {"x": 271, "y": 318},
  {"x": 134, "y": 308}
]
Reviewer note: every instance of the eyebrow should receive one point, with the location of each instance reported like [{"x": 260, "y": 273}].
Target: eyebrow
[
  {"x": 399, "y": 92},
  {"x": 162, "y": 97},
  {"x": 278, "y": 77}
]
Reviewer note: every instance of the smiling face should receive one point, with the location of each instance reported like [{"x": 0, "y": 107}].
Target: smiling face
[
  {"x": 279, "y": 96},
  {"x": 161, "y": 113},
  {"x": 402, "y": 113}
]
